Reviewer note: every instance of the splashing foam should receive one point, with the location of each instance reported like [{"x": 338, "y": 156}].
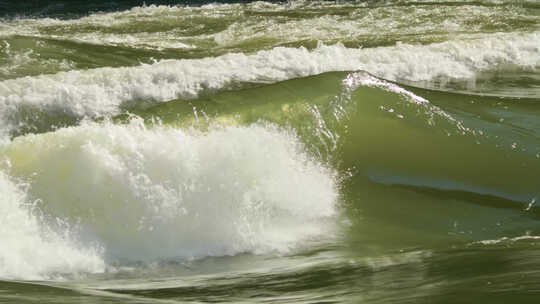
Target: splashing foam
[
  {"x": 30, "y": 250},
  {"x": 150, "y": 194}
]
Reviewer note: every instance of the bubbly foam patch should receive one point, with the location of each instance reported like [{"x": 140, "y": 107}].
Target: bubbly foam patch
[
  {"x": 165, "y": 26},
  {"x": 14, "y": 63},
  {"x": 147, "y": 194},
  {"x": 28, "y": 249},
  {"x": 104, "y": 91}
]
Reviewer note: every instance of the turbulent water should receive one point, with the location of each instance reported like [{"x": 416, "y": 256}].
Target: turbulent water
[{"x": 289, "y": 152}]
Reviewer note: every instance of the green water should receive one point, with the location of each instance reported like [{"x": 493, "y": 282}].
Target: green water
[{"x": 290, "y": 152}]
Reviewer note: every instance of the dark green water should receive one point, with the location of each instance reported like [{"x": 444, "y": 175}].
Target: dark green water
[{"x": 291, "y": 152}]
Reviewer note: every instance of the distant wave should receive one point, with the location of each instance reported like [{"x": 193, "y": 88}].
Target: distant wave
[{"x": 104, "y": 91}]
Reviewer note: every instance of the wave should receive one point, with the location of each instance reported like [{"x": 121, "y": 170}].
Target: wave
[
  {"x": 149, "y": 194},
  {"x": 106, "y": 91},
  {"x": 30, "y": 250},
  {"x": 165, "y": 26},
  {"x": 391, "y": 133},
  {"x": 75, "y": 8},
  {"x": 28, "y": 62}
]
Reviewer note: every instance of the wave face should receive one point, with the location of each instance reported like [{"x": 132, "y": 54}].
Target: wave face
[{"x": 291, "y": 152}]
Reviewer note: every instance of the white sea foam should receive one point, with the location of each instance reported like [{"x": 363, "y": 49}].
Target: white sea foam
[
  {"x": 103, "y": 91},
  {"x": 28, "y": 249},
  {"x": 20, "y": 62},
  {"x": 147, "y": 194},
  {"x": 509, "y": 240}
]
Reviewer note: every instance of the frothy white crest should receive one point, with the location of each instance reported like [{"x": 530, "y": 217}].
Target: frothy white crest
[
  {"x": 509, "y": 240},
  {"x": 28, "y": 249},
  {"x": 147, "y": 194},
  {"x": 354, "y": 80},
  {"x": 101, "y": 92}
]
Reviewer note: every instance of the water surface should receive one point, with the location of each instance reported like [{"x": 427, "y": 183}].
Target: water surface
[{"x": 285, "y": 152}]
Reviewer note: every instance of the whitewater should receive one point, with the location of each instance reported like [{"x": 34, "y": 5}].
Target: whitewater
[{"x": 288, "y": 152}]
